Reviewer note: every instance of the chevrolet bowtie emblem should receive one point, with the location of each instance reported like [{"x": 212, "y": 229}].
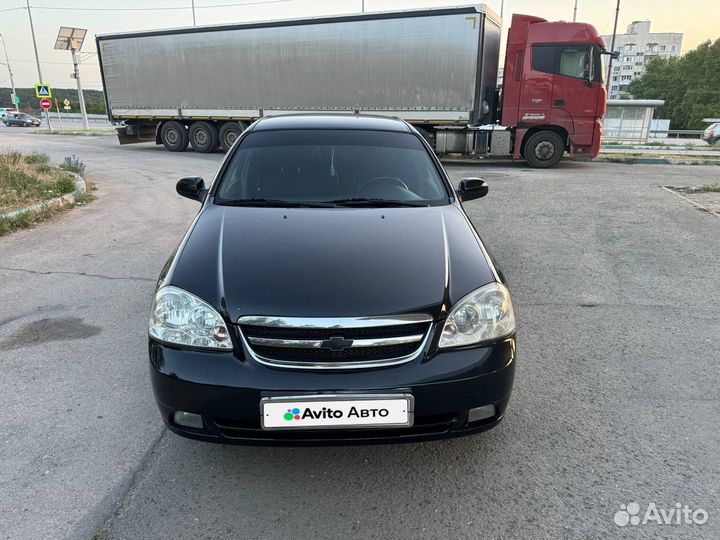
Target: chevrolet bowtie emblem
[{"x": 337, "y": 344}]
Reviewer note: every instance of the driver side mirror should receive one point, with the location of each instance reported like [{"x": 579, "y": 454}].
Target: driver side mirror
[
  {"x": 192, "y": 187},
  {"x": 472, "y": 188}
]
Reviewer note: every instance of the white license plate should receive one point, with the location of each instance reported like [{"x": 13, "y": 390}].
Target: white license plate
[{"x": 337, "y": 411}]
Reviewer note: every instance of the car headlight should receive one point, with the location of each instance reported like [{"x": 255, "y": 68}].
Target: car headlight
[
  {"x": 485, "y": 314},
  {"x": 184, "y": 319}
]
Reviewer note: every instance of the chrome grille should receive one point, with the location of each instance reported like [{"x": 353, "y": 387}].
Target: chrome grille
[{"x": 335, "y": 343}]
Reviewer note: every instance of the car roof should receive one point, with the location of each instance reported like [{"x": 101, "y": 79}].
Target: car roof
[{"x": 331, "y": 121}]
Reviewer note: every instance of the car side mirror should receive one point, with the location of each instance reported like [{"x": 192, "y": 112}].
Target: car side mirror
[
  {"x": 472, "y": 188},
  {"x": 192, "y": 187}
]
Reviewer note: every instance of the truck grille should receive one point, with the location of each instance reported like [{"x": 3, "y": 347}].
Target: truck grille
[{"x": 343, "y": 343}]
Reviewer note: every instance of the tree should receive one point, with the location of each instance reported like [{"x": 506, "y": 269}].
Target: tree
[
  {"x": 94, "y": 99},
  {"x": 689, "y": 86}
]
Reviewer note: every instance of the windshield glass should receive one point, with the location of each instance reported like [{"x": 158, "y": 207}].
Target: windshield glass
[{"x": 331, "y": 168}]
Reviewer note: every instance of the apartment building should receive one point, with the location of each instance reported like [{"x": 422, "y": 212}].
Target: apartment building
[{"x": 638, "y": 47}]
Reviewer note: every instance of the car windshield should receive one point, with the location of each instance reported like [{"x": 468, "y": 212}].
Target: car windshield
[{"x": 331, "y": 168}]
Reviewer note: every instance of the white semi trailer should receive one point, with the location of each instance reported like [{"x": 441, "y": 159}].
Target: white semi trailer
[{"x": 435, "y": 68}]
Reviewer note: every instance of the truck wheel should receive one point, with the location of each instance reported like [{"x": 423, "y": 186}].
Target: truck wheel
[
  {"x": 544, "y": 149},
  {"x": 229, "y": 132},
  {"x": 203, "y": 137},
  {"x": 174, "y": 136}
]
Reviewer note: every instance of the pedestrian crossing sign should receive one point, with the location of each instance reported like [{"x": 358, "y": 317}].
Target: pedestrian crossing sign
[{"x": 43, "y": 91}]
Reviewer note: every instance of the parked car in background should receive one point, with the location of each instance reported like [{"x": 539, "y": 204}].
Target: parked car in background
[
  {"x": 21, "y": 119},
  {"x": 712, "y": 133},
  {"x": 331, "y": 289},
  {"x": 4, "y": 111}
]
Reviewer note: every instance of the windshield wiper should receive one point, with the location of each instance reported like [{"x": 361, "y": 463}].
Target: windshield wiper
[
  {"x": 275, "y": 203},
  {"x": 376, "y": 203}
]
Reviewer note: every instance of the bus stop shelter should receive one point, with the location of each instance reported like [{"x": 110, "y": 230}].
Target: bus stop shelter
[{"x": 630, "y": 119}]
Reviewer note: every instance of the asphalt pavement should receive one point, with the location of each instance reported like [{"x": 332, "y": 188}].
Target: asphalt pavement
[{"x": 615, "y": 286}]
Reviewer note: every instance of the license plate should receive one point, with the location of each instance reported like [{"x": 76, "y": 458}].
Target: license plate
[{"x": 337, "y": 411}]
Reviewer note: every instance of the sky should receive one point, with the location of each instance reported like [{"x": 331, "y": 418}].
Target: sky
[{"x": 697, "y": 20}]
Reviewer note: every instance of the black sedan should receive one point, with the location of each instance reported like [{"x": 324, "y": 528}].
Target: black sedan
[
  {"x": 331, "y": 290},
  {"x": 21, "y": 119}
]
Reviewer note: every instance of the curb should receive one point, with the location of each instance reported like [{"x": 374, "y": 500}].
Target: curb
[
  {"x": 693, "y": 203},
  {"x": 655, "y": 161},
  {"x": 47, "y": 132},
  {"x": 57, "y": 202}
]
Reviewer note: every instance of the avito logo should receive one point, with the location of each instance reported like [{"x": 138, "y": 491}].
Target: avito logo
[{"x": 327, "y": 412}]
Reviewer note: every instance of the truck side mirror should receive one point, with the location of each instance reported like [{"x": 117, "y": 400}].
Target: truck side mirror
[
  {"x": 192, "y": 187},
  {"x": 472, "y": 188}
]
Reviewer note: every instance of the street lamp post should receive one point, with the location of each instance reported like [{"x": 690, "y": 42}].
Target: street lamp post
[
  {"x": 72, "y": 39},
  {"x": 12, "y": 82}
]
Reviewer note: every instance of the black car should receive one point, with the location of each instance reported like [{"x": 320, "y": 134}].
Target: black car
[
  {"x": 21, "y": 119},
  {"x": 331, "y": 290}
]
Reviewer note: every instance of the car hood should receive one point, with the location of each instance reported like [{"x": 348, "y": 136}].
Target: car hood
[{"x": 330, "y": 262}]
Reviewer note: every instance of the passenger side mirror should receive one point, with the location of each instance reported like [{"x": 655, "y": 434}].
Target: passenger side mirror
[
  {"x": 192, "y": 187},
  {"x": 472, "y": 188}
]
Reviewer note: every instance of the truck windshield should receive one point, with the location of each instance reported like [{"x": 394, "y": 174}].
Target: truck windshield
[{"x": 331, "y": 168}]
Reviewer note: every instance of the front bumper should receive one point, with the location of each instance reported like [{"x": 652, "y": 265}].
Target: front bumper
[{"x": 225, "y": 388}]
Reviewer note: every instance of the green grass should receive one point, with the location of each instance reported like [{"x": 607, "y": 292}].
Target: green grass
[
  {"x": 712, "y": 187},
  {"x": 30, "y": 219},
  {"x": 30, "y": 179}
]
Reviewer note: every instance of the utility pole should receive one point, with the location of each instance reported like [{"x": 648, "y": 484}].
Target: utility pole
[
  {"x": 12, "y": 83},
  {"x": 502, "y": 7},
  {"x": 575, "y": 12},
  {"x": 363, "y": 6},
  {"x": 612, "y": 47},
  {"x": 193, "y": 10},
  {"x": 37, "y": 58}
]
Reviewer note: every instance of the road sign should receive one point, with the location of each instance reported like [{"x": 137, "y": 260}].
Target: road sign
[
  {"x": 43, "y": 91},
  {"x": 66, "y": 103},
  {"x": 66, "y": 107},
  {"x": 45, "y": 104}
]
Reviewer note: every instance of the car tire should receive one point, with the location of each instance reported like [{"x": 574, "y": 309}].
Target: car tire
[
  {"x": 203, "y": 137},
  {"x": 25, "y": 124},
  {"x": 229, "y": 132},
  {"x": 174, "y": 136},
  {"x": 544, "y": 149}
]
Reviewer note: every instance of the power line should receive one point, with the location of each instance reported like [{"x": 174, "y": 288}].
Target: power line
[
  {"x": 159, "y": 8},
  {"x": 12, "y": 9}
]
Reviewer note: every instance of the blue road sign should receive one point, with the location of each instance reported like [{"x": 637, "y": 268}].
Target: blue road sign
[{"x": 43, "y": 91}]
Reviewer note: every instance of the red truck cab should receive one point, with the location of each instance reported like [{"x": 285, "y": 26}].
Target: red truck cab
[{"x": 553, "y": 93}]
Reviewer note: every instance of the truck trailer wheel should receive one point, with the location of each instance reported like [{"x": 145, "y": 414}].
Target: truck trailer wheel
[
  {"x": 229, "y": 132},
  {"x": 174, "y": 136},
  {"x": 544, "y": 149},
  {"x": 203, "y": 137}
]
